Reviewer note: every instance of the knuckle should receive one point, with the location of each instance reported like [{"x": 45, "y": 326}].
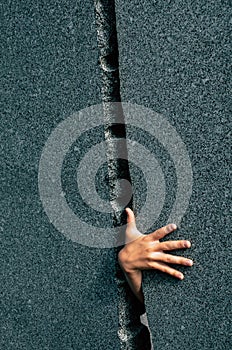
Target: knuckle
[
  {"x": 185, "y": 244},
  {"x": 181, "y": 244},
  {"x": 164, "y": 246},
  {"x": 121, "y": 256},
  {"x": 157, "y": 232},
  {"x": 150, "y": 257},
  {"x": 150, "y": 264},
  {"x": 181, "y": 261},
  {"x": 147, "y": 238},
  {"x": 169, "y": 259},
  {"x": 149, "y": 249},
  {"x": 166, "y": 270},
  {"x": 168, "y": 246}
]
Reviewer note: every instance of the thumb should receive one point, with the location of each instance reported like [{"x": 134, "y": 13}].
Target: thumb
[
  {"x": 130, "y": 216},
  {"x": 132, "y": 232}
]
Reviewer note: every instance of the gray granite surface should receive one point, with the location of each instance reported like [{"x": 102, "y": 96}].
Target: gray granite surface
[
  {"x": 55, "y": 294},
  {"x": 175, "y": 59}
]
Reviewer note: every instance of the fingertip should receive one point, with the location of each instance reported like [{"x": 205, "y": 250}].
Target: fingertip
[
  {"x": 187, "y": 244},
  {"x": 130, "y": 215},
  {"x": 171, "y": 227},
  {"x": 189, "y": 262},
  {"x": 128, "y": 212}
]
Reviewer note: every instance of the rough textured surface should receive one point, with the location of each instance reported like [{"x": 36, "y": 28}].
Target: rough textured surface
[
  {"x": 55, "y": 294},
  {"x": 174, "y": 59}
]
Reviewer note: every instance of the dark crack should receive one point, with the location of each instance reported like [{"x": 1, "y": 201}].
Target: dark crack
[{"x": 132, "y": 333}]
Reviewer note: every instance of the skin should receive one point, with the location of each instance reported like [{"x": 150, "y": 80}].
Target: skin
[{"x": 144, "y": 252}]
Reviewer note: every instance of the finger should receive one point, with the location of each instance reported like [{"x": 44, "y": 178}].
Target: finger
[
  {"x": 171, "y": 259},
  {"x": 163, "y": 231},
  {"x": 172, "y": 245},
  {"x": 167, "y": 269},
  {"x": 132, "y": 232}
]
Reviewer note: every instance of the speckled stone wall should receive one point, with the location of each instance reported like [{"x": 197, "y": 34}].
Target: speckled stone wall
[
  {"x": 174, "y": 58},
  {"x": 55, "y": 294}
]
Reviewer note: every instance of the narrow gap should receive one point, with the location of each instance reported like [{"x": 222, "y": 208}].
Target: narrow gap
[{"x": 132, "y": 333}]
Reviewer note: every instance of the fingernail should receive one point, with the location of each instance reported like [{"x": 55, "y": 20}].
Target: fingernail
[
  {"x": 189, "y": 262},
  {"x": 187, "y": 244},
  {"x": 172, "y": 227},
  {"x": 180, "y": 276}
]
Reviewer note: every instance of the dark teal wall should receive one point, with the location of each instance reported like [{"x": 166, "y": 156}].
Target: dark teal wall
[
  {"x": 55, "y": 294},
  {"x": 174, "y": 59}
]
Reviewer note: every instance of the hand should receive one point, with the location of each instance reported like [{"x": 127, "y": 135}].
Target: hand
[{"x": 143, "y": 252}]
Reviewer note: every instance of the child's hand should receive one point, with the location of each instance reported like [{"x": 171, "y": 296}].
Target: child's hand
[{"x": 143, "y": 252}]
